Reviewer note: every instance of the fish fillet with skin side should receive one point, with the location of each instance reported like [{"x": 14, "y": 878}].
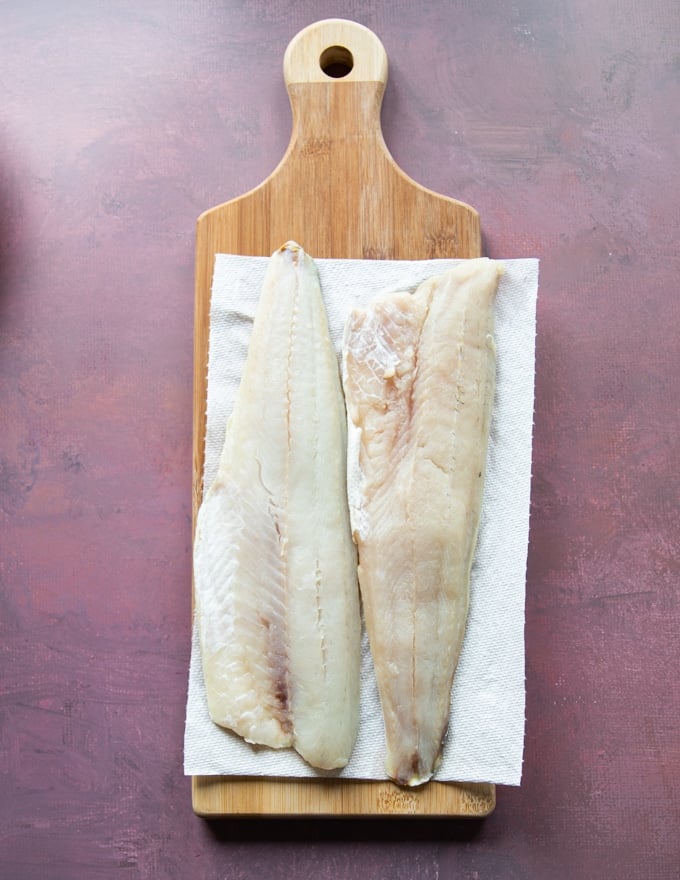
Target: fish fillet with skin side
[
  {"x": 275, "y": 570},
  {"x": 419, "y": 378}
]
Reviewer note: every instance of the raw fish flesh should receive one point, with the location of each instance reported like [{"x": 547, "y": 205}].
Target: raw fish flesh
[
  {"x": 275, "y": 569},
  {"x": 419, "y": 376}
]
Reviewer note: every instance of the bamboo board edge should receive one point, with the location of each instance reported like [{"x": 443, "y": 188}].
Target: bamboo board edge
[{"x": 220, "y": 797}]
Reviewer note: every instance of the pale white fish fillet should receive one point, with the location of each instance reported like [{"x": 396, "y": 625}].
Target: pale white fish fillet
[
  {"x": 275, "y": 568},
  {"x": 419, "y": 377}
]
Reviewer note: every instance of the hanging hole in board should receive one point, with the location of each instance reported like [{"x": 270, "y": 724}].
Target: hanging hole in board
[{"x": 336, "y": 61}]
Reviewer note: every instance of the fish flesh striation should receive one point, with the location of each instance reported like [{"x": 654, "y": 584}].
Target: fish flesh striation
[
  {"x": 275, "y": 567},
  {"x": 419, "y": 378}
]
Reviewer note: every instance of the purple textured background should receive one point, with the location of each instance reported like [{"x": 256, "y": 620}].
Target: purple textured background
[{"x": 119, "y": 123}]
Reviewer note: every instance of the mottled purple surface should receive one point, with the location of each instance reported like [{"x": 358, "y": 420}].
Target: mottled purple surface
[{"x": 119, "y": 123}]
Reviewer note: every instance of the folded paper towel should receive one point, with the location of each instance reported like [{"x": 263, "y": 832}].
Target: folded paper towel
[{"x": 486, "y": 731}]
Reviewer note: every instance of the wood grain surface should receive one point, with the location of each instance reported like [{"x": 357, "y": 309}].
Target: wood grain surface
[
  {"x": 215, "y": 797},
  {"x": 119, "y": 123},
  {"x": 338, "y": 193}
]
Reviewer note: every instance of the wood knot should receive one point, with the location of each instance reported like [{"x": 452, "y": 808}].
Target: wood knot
[
  {"x": 316, "y": 146},
  {"x": 396, "y": 800},
  {"x": 442, "y": 245},
  {"x": 476, "y": 801}
]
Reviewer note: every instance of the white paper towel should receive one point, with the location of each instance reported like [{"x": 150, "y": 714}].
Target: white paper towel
[{"x": 486, "y": 731}]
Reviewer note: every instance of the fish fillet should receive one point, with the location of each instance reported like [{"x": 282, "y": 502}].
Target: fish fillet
[
  {"x": 275, "y": 569},
  {"x": 419, "y": 376}
]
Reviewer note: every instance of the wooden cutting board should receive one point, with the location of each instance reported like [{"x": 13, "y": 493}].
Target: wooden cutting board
[{"x": 338, "y": 192}]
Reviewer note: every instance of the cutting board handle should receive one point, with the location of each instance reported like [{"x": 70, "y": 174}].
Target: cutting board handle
[
  {"x": 335, "y": 72},
  {"x": 337, "y": 190},
  {"x": 335, "y": 50}
]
